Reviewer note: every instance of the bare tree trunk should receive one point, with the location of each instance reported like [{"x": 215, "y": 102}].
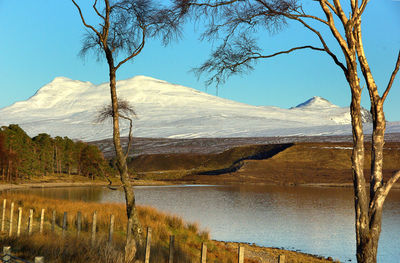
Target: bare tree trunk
[
  {"x": 368, "y": 209},
  {"x": 363, "y": 238},
  {"x": 134, "y": 228},
  {"x": 8, "y": 171}
]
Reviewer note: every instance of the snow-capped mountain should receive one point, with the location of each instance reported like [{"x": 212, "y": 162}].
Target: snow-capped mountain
[
  {"x": 66, "y": 107},
  {"x": 326, "y": 108}
]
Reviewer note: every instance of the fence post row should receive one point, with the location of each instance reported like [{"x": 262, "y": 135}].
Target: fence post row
[
  {"x": 19, "y": 221},
  {"x": 111, "y": 229},
  {"x": 6, "y": 254},
  {"x": 78, "y": 223},
  {"x": 3, "y": 217},
  {"x": 7, "y": 250},
  {"x": 53, "y": 221},
  {"x": 64, "y": 225},
  {"x": 147, "y": 249},
  {"x": 241, "y": 254},
  {"x": 203, "y": 258},
  {"x": 11, "y": 219},
  {"x": 93, "y": 239},
  {"x": 171, "y": 249},
  {"x": 30, "y": 221},
  {"x": 41, "y": 221}
]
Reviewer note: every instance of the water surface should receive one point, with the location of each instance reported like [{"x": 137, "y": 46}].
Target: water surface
[{"x": 308, "y": 219}]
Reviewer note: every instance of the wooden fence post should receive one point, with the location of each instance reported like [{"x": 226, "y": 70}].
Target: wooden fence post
[
  {"x": 53, "y": 221},
  {"x": 41, "y": 221},
  {"x": 203, "y": 258},
  {"x": 19, "y": 221},
  {"x": 78, "y": 223},
  {"x": 39, "y": 260},
  {"x": 3, "y": 217},
  {"x": 93, "y": 240},
  {"x": 147, "y": 249},
  {"x": 281, "y": 259},
  {"x": 30, "y": 221},
  {"x": 64, "y": 225},
  {"x": 171, "y": 249},
  {"x": 11, "y": 219},
  {"x": 111, "y": 229},
  {"x": 241, "y": 254},
  {"x": 6, "y": 254}
]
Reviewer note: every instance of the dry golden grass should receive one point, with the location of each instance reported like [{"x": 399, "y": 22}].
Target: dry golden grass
[{"x": 188, "y": 237}]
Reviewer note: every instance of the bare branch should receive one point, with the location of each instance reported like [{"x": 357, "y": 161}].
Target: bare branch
[
  {"x": 303, "y": 15},
  {"x": 97, "y": 12},
  {"x": 323, "y": 42},
  {"x": 354, "y": 5},
  {"x": 291, "y": 50},
  {"x": 124, "y": 107},
  {"x": 333, "y": 28},
  {"x": 227, "y": 61},
  {"x": 392, "y": 77},
  {"x": 218, "y": 4},
  {"x": 326, "y": 48},
  {"x": 136, "y": 51},
  {"x": 357, "y": 12},
  {"x": 128, "y": 148},
  {"x": 332, "y": 7},
  {"x": 389, "y": 184},
  {"x": 84, "y": 22},
  {"x": 339, "y": 12}
]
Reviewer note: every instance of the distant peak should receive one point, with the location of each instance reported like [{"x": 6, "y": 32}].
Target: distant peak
[
  {"x": 60, "y": 79},
  {"x": 316, "y": 102},
  {"x": 144, "y": 78}
]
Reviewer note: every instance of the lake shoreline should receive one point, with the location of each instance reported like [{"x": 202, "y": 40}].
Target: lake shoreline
[
  {"x": 256, "y": 252},
  {"x": 46, "y": 184},
  {"x": 14, "y": 186}
]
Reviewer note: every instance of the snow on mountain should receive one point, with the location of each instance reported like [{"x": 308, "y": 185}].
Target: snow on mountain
[
  {"x": 316, "y": 102},
  {"x": 328, "y": 110},
  {"x": 66, "y": 107}
]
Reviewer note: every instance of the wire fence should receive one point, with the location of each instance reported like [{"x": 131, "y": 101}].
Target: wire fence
[{"x": 7, "y": 257}]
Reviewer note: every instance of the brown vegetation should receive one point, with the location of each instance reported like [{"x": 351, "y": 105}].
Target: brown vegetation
[
  {"x": 288, "y": 164},
  {"x": 188, "y": 237},
  {"x": 190, "y": 164}
]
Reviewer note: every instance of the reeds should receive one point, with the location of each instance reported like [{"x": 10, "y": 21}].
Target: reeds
[{"x": 70, "y": 247}]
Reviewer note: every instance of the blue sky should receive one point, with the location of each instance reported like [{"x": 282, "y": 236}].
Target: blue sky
[{"x": 40, "y": 40}]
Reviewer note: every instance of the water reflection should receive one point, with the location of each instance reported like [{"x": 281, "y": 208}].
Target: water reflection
[{"x": 313, "y": 220}]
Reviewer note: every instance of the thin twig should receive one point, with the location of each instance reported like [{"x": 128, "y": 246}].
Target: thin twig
[{"x": 392, "y": 77}]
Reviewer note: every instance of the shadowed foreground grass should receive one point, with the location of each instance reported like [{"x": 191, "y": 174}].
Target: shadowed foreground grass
[{"x": 71, "y": 248}]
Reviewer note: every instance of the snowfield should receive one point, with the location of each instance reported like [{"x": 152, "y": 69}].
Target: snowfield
[{"x": 66, "y": 107}]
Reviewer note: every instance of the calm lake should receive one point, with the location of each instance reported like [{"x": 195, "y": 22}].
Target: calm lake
[{"x": 308, "y": 219}]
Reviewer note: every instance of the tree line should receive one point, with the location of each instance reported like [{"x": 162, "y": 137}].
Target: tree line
[{"x": 22, "y": 157}]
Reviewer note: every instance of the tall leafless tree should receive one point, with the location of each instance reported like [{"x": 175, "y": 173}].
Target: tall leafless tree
[
  {"x": 123, "y": 29},
  {"x": 238, "y": 20}
]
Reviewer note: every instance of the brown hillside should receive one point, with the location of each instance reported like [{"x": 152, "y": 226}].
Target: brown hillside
[
  {"x": 306, "y": 163},
  {"x": 179, "y": 164}
]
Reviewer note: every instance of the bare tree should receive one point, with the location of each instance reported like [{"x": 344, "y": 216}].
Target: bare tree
[
  {"x": 124, "y": 28},
  {"x": 234, "y": 22},
  {"x": 126, "y": 112}
]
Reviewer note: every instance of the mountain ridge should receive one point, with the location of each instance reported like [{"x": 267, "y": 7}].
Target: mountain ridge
[{"x": 66, "y": 107}]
